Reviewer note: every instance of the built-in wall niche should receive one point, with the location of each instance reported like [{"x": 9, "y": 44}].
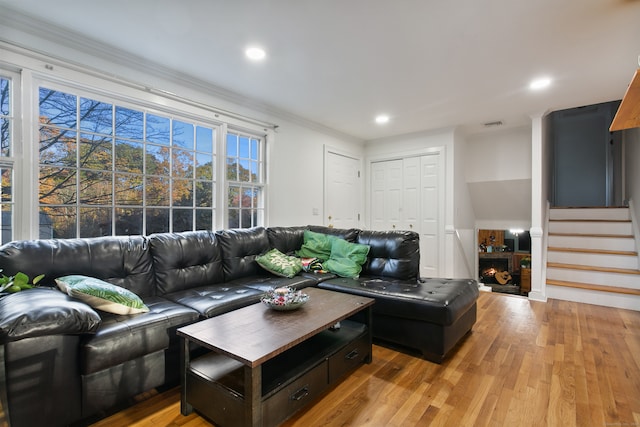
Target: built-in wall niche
[{"x": 504, "y": 259}]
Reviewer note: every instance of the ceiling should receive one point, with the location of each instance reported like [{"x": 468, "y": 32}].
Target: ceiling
[{"x": 428, "y": 64}]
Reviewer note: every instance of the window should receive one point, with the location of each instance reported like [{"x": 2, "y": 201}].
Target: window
[
  {"x": 109, "y": 169},
  {"x": 245, "y": 193},
  {"x": 7, "y": 205}
]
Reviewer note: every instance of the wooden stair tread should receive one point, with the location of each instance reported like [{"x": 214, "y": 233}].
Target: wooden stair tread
[
  {"x": 589, "y": 220},
  {"x": 615, "y": 236},
  {"x": 592, "y": 268},
  {"x": 593, "y": 251},
  {"x": 593, "y": 287}
]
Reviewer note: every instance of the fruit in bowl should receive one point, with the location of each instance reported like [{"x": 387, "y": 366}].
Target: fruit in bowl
[{"x": 285, "y": 298}]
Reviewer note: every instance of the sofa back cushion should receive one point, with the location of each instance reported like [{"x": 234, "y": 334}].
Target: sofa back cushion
[
  {"x": 186, "y": 260},
  {"x": 393, "y": 254},
  {"x": 124, "y": 261},
  {"x": 348, "y": 234},
  {"x": 239, "y": 250},
  {"x": 286, "y": 239}
]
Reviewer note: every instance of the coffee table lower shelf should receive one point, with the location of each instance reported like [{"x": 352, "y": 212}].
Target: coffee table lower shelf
[{"x": 215, "y": 383}]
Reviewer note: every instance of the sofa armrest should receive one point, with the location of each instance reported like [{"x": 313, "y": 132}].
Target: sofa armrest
[{"x": 44, "y": 311}]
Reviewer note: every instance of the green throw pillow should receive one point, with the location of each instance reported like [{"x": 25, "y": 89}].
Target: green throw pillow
[
  {"x": 346, "y": 258},
  {"x": 280, "y": 264},
  {"x": 316, "y": 245},
  {"x": 101, "y": 295}
]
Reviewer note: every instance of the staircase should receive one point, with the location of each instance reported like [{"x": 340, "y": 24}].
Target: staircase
[{"x": 592, "y": 257}]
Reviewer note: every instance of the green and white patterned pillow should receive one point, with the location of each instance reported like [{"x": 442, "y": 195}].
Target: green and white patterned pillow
[
  {"x": 280, "y": 264},
  {"x": 101, "y": 295}
]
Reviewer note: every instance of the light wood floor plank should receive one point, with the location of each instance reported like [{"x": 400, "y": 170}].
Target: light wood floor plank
[{"x": 526, "y": 363}]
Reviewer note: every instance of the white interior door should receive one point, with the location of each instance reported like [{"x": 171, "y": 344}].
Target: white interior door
[
  {"x": 406, "y": 195},
  {"x": 430, "y": 221},
  {"x": 386, "y": 194},
  {"x": 342, "y": 191}
]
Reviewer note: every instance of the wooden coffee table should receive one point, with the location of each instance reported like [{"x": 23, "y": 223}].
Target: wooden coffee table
[{"x": 259, "y": 366}]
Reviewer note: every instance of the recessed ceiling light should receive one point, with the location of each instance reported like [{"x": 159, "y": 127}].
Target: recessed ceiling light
[
  {"x": 541, "y": 83},
  {"x": 382, "y": 119},
  {"x": 255, "y": 53}
]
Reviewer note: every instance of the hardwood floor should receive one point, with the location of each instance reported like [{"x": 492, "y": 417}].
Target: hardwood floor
[{"x": 526, "y": 363}]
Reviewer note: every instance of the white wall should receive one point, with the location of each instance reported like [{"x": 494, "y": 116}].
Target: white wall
[{"x": 498, "y": 173}]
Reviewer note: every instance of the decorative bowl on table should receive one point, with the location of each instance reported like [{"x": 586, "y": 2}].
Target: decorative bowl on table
[{"x": 284, "y": 299}]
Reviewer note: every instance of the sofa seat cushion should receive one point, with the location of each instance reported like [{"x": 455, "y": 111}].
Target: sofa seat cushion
[
  {"x": 126, "y": 337},
  {"x": 439, "y": 301},
  {"x": 213, "y": 300},
  {"x": 264, "y": 283}
]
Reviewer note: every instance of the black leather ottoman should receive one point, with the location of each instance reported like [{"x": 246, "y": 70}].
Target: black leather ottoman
[{"x": 430, "y": 315}]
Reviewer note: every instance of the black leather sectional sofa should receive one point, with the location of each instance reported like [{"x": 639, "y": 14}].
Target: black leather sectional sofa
[{"x": 64, "y": 363}]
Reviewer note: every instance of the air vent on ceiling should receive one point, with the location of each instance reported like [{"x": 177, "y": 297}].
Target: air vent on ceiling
[{"x": 493, "y": 124}]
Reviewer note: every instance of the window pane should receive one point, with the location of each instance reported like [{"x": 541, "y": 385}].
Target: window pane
[
  {"x": 182, "y": 134},
  {"x": 182, "y": 192},
  {"x": 247, "y": 198},
  {"x": 255, "y": 153},
  {"x": 157, "y": 159},
  {"x": 57, "y": 147},
  {"x": 95, "y": 188},
  {"x": 6, "y": 204},
  {"x": 128, "y": 189},
  {"x": 244, "y": 174},
  {"x": 129, "y": 156},
  {"x": 182, "y": 163},
  {"x": 5, "y": 137},
  {"x": 157, "y": 221},
  {"x": 96, "y": 116},
  {"x": 232, "y": 145},
  {"x": 58, "y": 108},
  {"x": 204, "y": 166},
  {"x": 233, "y": 198},
  {"x": 58, "y": 222},
  {"x": 129, "y": 123},
  {"x": 4, "y": 96},
  {"x": 157, "y": 191},
  {"x": 158, "y": 130},
  {"x": 204, "y": 219},
  {"x": 95, "y": 222},
  {"x": 6, "y": 187},
  {"x": 232, "y": 170},
  {"x": 244, "y": 147},
  {"x": 57, "y": 186},
  {"x": 128, "y": 221},
  {"x": 204, "y": 194},
  {"x": 96, "y": 152},
  {"x": 182, "y": 220},
  {"x": 6, "y": 223},
  {"x": 234, "y": 218},
  {"x": 204, "y": 139}
]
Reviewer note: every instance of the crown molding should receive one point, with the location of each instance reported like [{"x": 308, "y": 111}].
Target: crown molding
[{"x": 19, "y": 21}]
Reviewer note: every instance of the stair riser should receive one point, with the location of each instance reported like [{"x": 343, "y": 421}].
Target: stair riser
[
  {"x": 609, "y": 213},
  {"x": 629, "y": 302},
  {"x": 606, "y": 243},
  {"x": 593, "y": 260},
  {"x": 585, "y": 227},
  {"x": 594, "y": 277}
]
